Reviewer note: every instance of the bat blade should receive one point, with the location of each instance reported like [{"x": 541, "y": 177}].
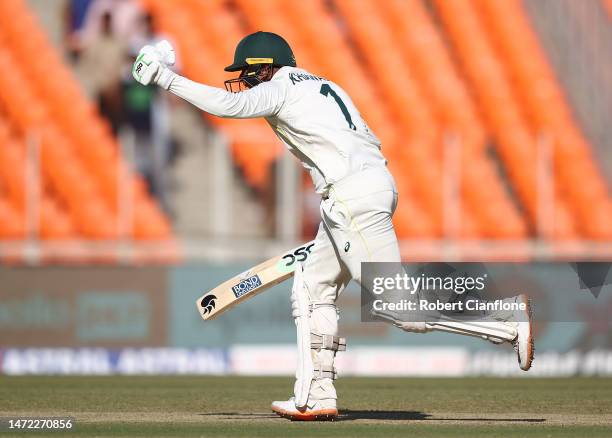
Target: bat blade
[{"x": 251, "y": 282}]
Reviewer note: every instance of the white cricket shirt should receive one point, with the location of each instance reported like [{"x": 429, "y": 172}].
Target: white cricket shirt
[{"x": 314, "y": 117}]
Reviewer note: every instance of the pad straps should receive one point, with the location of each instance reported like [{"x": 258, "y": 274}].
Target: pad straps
[
  {"x": 327, "y": 342},
  {"x": 324, "y": 372}
]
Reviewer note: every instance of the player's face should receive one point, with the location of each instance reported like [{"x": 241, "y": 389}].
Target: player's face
[
  {"x": 235, "y": 85},
  {"x": 249, "y": 77}
]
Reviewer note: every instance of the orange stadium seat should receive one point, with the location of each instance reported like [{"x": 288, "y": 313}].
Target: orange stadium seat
[
  {"x": 12, "y": 225},
  {"x": 53, "y": 222},
  {"x": 12, "y": 168},
  {"x": 79, "y": 156},
  {"x": 548, "y": 112},
  {"x": 424, "y": 50},
  {"x": 514, "y": 139}
]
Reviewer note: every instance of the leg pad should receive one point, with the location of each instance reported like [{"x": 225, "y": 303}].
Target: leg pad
[{"x": 327, "y": 342}]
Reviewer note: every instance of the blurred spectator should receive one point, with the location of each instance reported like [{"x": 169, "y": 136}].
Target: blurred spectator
[
  {"x": 74, "y": 20},
  {"x": 146, "y": 117},
  {"x": 86, "y": 19},
  {"x": 106, "y": 37},
  {"x": 100, "y": 67}
]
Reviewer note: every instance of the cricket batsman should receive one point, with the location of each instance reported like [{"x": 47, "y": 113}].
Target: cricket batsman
[{"x": 320, "y": 125}]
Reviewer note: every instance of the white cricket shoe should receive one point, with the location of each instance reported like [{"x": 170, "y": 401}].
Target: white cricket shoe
[
  {"x": 318, "y": 410},
  {"x": 523, "y": 343}
]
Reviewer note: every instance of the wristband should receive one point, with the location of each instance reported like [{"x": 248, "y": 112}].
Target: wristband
[{"x": 164, "y": 77}]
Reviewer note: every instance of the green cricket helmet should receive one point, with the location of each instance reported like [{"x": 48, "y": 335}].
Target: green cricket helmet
[{"x": 255, "y": 51}]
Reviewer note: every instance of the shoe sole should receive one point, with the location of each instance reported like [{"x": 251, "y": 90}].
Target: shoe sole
[
  {"x": 320, "y": 415},
  {"x": 530, "y": 344}
]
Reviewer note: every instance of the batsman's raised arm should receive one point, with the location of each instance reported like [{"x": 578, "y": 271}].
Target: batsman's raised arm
[{"x": 262, "y": 101}]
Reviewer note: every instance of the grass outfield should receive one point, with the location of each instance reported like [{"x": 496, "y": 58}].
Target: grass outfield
[{"x": 239, "y": 407}]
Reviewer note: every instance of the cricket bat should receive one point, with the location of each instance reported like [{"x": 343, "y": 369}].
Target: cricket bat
[{"x": 251, "y": 282}]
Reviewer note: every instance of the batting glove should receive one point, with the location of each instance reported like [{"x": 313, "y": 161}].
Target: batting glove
[{"x": 151, "y": 65}]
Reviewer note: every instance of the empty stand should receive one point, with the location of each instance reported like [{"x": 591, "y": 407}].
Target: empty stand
[
  {"x": 426, "y": 104},
  {"x": 547, "y": 111},
  {"x": 41, "y": 101},
  {"x": 422, "y": 47},
  {"x": 53, "y": 222},
  {"x": 461, "y": 95},
  {"x": 516, "y": 143}
]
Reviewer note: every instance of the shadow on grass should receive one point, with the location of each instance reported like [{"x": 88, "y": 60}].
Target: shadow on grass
[
  {"x": 349, "y": 415},
  {"x": 352, "y": 415},
  {"x": 494, "y": 420},
  {"x": 240, "y": 415}
]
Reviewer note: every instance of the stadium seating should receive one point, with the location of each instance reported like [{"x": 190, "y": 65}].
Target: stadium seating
[
  {"x": 80, "y": 166},
  {"x": 516, "y": 143},
  {"x": 53, "y": 222},
  {"x": 425, "y": 102},
  {"x": 547, "y": 111},
  {"x": 422, "y": 46},
  {"x": 459, "y": 91}
]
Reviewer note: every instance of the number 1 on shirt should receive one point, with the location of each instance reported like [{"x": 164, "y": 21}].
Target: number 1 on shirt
[{"x": 326, "y": 90}]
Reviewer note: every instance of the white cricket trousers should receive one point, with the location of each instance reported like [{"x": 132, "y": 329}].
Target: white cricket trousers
[{"x": 355, "y": 227}]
